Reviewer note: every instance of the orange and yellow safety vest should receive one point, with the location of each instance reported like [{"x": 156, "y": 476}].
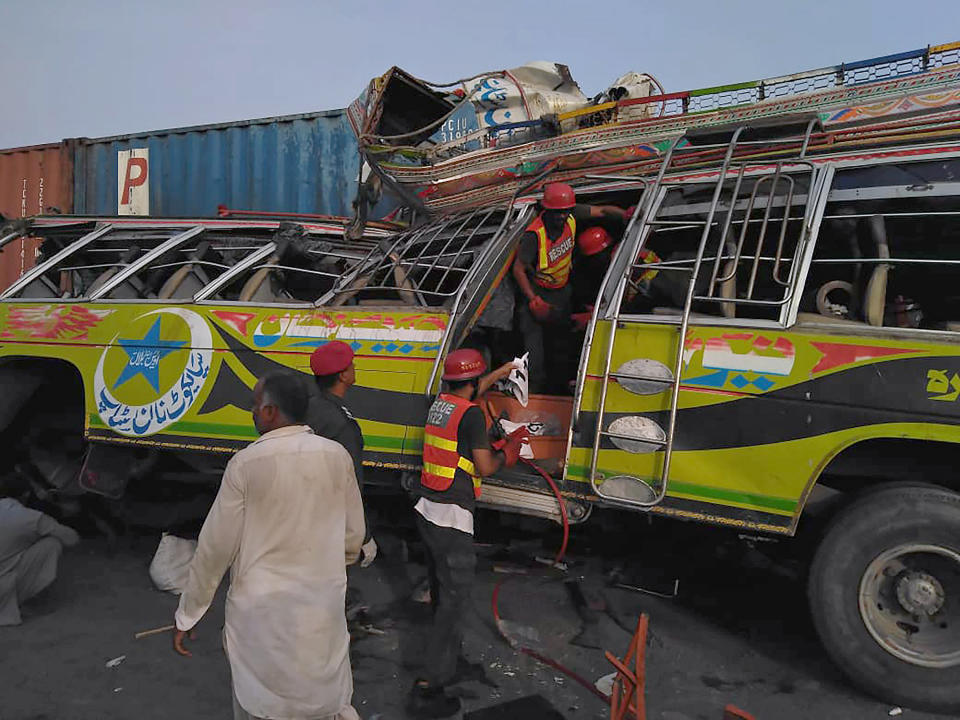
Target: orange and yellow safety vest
[
  {"x": 553, "y": 258},
  {"x": 441, "y": 461}
]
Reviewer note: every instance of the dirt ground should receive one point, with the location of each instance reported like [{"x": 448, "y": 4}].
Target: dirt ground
[{"x": 737, "y": 632}]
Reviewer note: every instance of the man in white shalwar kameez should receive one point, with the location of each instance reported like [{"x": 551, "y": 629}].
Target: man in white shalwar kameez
[
  {"x": 287, "y": 520},
  {"x": 30, "y": 547}
]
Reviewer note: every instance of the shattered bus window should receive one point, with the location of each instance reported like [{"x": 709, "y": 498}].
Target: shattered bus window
[
  {"x": 425, "y": 266},
  {"x": 299, "y": 267},
  {"x": 182, "y": 272},
  {"x": 75, "y": 265}
]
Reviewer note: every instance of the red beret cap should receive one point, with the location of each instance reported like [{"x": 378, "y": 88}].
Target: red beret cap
[{"x": 330, "y": 358}]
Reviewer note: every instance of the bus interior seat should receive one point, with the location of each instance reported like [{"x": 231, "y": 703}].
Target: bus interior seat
[
  {"x": 102, "y": 279},
  {"x": 875, "y": 294},
  {"x": 189, "y": 279},
  {"x": 184, "y": 283},
  {"x": 130, "y": 289},
  {"x": 262, "y": 287}
]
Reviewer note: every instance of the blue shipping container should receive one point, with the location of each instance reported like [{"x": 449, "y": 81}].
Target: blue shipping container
[{"x": 297, "y": 163}]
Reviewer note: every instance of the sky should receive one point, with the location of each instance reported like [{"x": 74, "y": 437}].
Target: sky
[{"x": 72, "y": 68}]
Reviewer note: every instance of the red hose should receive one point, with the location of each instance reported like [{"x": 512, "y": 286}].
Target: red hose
[
  {"x": 537, "y": 656},
  {"x": 565, "y": 521},
  {"x": 563, "y": 508},
  {"x": 560, "y": 553}
]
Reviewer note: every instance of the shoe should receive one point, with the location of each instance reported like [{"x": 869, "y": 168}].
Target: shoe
[{"x": 429, "y": 702}]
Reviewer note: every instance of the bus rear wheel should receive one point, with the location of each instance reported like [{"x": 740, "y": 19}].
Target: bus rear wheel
[{"x": 884, "y": 592}]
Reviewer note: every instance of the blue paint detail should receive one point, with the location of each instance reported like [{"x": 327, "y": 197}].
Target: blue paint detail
[
  {"x": 406, "y": 348},
  {"x": 265, "y": 340},
  {"x": 377, "y": 348},
  {"x": 309, "y": 343},
  {"x": 144, "y": 356},
  {"x": 355, "y": 345},
  {"x": 763, "y": 383},
  {"x": 760, "y": 382},
  {"x": 430, "y": 348},
  {"x": 391, "y": 347},
  {"x": 305, "y": 163},
  {"x": 715, "y": 379}
]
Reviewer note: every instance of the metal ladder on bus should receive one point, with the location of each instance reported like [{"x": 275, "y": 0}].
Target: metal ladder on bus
[{"x": 649, "y": 220}]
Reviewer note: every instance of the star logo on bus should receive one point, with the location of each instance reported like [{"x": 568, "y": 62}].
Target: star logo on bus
[{"x": 144, "y": 356}]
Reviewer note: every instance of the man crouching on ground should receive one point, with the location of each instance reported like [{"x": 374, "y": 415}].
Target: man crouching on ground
[
  {"x": 286, "y": 521},
  {"x": 30, "y": 547}
]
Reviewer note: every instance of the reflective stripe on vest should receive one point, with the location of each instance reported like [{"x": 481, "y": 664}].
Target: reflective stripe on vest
[
  {"x": 440, "y": 457},
  {"x": 553, "y": 258}
]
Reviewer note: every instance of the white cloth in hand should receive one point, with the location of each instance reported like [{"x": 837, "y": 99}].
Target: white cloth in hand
[{"x": 368, "y": 553}]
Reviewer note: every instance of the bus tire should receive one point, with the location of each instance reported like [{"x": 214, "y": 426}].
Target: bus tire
[{"x": 884, "y": 593}]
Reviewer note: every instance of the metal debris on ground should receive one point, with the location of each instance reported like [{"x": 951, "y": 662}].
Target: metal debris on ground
[
  {"x": 511, "y": 569},
  {"x": 634, "y": 588},
  {"x": 116, "y": 661},
  {"x": 550, "y": 562}
]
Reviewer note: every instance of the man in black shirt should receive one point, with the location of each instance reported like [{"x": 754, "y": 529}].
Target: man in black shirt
[
  {"x": 332, "y": 365},
  {"x": 456, "y": 454}
]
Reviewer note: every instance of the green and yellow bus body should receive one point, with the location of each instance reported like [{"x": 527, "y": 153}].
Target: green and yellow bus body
[
  {"x": 180, "y": 376},
  {"x": 763, "y": 412}
]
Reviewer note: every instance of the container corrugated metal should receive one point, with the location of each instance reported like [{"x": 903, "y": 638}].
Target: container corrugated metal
[
  {"x": 297, "y": 163},
  {"x": 33, "y": 180}
]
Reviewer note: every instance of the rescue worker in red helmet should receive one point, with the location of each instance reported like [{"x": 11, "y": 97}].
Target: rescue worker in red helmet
[
  {"x": 457, "y": 453},
  {"x": 595, "y": 247},
  {"x": 542, "y": 273},
  {"x": 329, "y": 417}
]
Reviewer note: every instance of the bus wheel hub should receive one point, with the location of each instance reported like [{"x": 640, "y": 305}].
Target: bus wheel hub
[{"x": 920, "y": 593}]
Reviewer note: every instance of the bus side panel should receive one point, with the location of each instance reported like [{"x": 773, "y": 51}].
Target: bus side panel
[
  {"x": 761, "y": 412},
  {"x": 182, "y": 376}
]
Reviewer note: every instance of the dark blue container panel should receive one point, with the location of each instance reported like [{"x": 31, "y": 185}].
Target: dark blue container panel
[{"x": 298, "y": 163}]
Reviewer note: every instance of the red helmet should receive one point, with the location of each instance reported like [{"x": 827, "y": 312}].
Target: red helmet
[
  {"x": 332, "y": 357},
  {"x": 593, "y": 240},
  {"x": 463, "y": 364},
  {"x": 558, "y": 196}
]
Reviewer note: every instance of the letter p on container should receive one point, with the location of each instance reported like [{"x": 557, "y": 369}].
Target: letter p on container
[{"x": 133, "y": 182}]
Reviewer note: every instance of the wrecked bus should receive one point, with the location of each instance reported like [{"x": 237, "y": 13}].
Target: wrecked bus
[{"x": 778, "y": 327}]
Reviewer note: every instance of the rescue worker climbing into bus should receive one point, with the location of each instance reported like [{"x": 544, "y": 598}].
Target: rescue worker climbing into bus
[
  {"x": 594, "y": 251},
  {"x": 595, "y": 248},
  {"x": 542, "y": 273},
  {"x": 457, "y": 454}
]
